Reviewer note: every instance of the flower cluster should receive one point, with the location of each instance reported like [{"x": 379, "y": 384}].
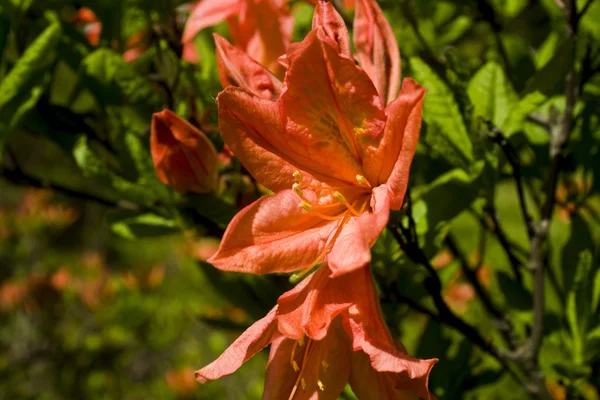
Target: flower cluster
[{"x": 334, "y": 142}]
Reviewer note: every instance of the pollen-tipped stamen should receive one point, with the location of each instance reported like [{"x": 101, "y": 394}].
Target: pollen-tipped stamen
[
  {"x": 298, "y": 189},
  {"x": 340, "y": 197},
  {"x": 300, "y": 380},
  {"x": 362, "y": 181},
  {"x": 297, "y": 175}
]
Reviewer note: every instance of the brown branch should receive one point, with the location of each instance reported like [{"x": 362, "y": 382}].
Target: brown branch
[{"x": 497, "y": 136}]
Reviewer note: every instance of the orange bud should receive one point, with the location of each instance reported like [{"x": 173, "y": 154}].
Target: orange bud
[{"x": 184, "y": 157}]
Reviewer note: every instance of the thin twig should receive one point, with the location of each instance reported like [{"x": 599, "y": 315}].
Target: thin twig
[
  {"x": 489, "y": 15},
  {"x": 501, "y": 321},
  {"x": 497, "y": 136},
  {"x": 515, "y": 263}
]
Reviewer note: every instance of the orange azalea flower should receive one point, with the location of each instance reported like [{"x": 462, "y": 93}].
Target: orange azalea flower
[
  {"x": 336, "y": 159},
  {"x": 183, "y": 156},
  {"x": 324, "y": 333},
  {"x": 377, "y": 49},
  {"x": 263, "y": 28}
]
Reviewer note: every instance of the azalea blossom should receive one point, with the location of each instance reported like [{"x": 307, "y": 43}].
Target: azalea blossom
[
  {"x": 263, "y": 28},
  {"x": 183, "y": 156},
  {"x": 323, "y": 334},
  {"x": 336, "y": 159},
  {"x": 135, "y": 46}
]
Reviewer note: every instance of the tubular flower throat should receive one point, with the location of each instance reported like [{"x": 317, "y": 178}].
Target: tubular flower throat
[
  {"x": 337, "y": 159},
  {"x": 325, "y": 333}
]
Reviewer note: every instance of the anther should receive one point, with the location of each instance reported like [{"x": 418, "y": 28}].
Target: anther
[
  {"x": 321, "y": 386},
  {"x": 306, "y": 206},
  {"x": 301, "y": 341},
  {"x": 325, "y": 365},
  {"x": 297, "y": 189},
  {"x": 362, "y": 181},
  {"x": 298, "y": 176},
  {"x": 295, "y": 366},
  {"x": 303, "y": 384},
  {"x": 340, "y": 197}
]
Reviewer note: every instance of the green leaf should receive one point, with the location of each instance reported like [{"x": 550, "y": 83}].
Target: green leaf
[
  {"x": 432, "y": 211},
  {"x": 93, "y": 166},
  {"x": 517, "y": 116},
  {"x": 446, "y": 132},
  {"x": 115, "y": 81},
  {"x": 550, "y": 79},
  {"x": 142, "y": 161},
  {"x": 25, "y": 83},
  {"x": 491, "y": 93},
  {"x": 578, "y": 307},
  {"x": 516, "y": 296},
  {"x": 142, "y": 225}
]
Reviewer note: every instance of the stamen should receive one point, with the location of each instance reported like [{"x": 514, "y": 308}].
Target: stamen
[
  {"x": 298, "y": 189},
  {"x": 300, "y": 380},
  {"x": 324, "y": 216},
  {"x": 301, "y": 341},
  {"x": 298, "y": 176},
  {"x": 306, "y": 206},
  {"x": 293, "y": 356},
  {"x": 321, "y": 386},
  {"x": 362, "y": 181},
  {"x": 295, "y": 278},
  {"x": 340, "y": 197},
  {"x": 325, "y": 365}
]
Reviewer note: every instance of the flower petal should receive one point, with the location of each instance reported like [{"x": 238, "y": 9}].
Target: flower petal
[
  {"x": 183, "y": 156},
  {"x": 310, "y": 307},
  {"x": 253, "y": 340},
  {"x": 272, "y": 234},
  {"x": 352, "y": 249},
  {"x": 264, "y": 30},
  {"x": 328, "y": 104},
  {"x": 332, "y": 23},
  {"x": 365, "y": 325},
  {"x": 252, "y": 129},
  {"x": 390, "y": 159},
  {"x": 327, "y": 360},
  {"x": 236, "y": 68},
  {"x": 207, "y": 13},
  {"x": 367, "y": 383},
  {"x": 377, "y": 49},
  {"x": 190, "y": 53}
]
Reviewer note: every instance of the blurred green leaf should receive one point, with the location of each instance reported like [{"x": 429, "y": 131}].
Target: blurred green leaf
[
  {"x": 550, "y": 79},
  {"x": 24, "y": 84},
  {"x": 93, "y": 166},
  {"x": 446, "y": 131},
  {"x": 517, "y": 297},
  {"x": 579, "y": 302},
  {"x": 142, "y": 225},
  {"x": 114, "y": 81},
  {"x": 519, "y": 113}
]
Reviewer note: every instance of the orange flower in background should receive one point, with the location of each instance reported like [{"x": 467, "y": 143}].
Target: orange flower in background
[
  {"x": 183, "y": 156},
  {"x": 263, "y": 28},
  {"x": 377, "y": 49},
  {"x": 336, "y": 159},
  {"x": 324, "y": 333},
  {"x": 92, "y": 27},
  {"x": 135, "y": 46}
]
